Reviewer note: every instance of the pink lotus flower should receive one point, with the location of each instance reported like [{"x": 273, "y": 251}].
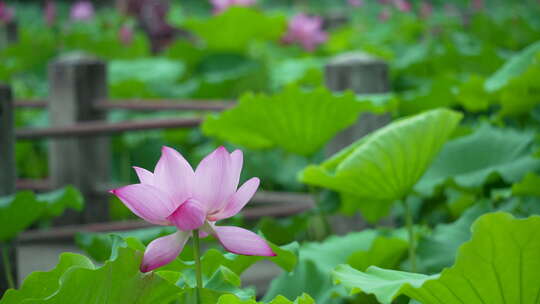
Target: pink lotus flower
[
  {"x": 50, "y": 12},
  {"x": 426, "y": 9},
  {"x": 222, "y": 5},
  {"x": 385, "y": 14},
  {"x": 125, "y": 34},
  {"x": 356, "y": 3},
  {"x": 176, "y": 195},
  {"x": 82, "y": 10},
  {"x": 477, "y": 5},
  {"x": 305, "y": 30},
  {"x": 402, "y": 5},
  {"x": 6, "y": 13}
]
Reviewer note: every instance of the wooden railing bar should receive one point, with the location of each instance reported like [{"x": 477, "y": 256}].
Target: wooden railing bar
[
  {"x": 104, "y": 128},
  {"x": 165, "y": 105},
  {"x": 30, "y": 103},
  {"x": 39, "y": 185},
  {"x": 266, "y": 197},
  {"x": 67, "y": 233},
  {"x": 145, "y": 104}
]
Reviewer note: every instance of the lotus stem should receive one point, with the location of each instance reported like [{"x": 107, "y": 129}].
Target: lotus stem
[
  {"x": 198, "y": 271},
  {"x": 7, "y": 266},
  {"x": 410, "y": 230}
]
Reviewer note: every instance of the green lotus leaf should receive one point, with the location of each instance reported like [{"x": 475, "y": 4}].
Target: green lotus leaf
[
  {"x": 39, "y": 285},
  {"x": 19, "y": 211},
  {"x": 439, "y": 249},
  {"x": 297, "y": 121},
  {"x": 77, "y": 280},
  {"x": 286, "y": 258},
  {"x": 317, "y": 260},
  {"x": 231, "y": 299},
  {"x": 520, "y": 96},
  {"x": 530, "y": 185},
  {"x": 471, "y": 161},
  {"x": 238, "y": 27},
  {"x": 384, "y": 166},
  {"x": 99, "y": 246},
  {"x": 512, "y": 68},
  {"x": 59, "y": 200},
  {"x": 498, "y": 265}
]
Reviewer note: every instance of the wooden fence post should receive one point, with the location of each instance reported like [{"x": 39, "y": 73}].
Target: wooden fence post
[
  {"x": 362, "y": 74},
  {"x": 8, "y": 34},
  {"x": 335, "y": 20},
  {"x": 7, "y": 176},
  {"x": 77, "y": 82}
]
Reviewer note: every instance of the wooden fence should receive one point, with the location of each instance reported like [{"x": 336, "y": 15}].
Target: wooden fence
[{"x": 79, "y": 143}]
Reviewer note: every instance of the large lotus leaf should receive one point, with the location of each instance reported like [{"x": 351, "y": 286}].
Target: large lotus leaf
[
  {"x": 19, "y": 211},
  {"x": 498, "y": 265},
  {"x": 231, "y": 299},
  {"x": 312, "y": 275},
  {"x": 286, "y": 258},
  {"x": 222, "y": 282},
  {"x": 289, "y": 71},
  {"x": 439, "y": 249},
  {"x": 530, "y": 185},
  {"x": 384, "y": 166},
  {"x": 61, "y": 199},
  {"x": 155, "y": 72},
  {"x": 75, "y": 280},
  {"x": 472, "y": 95},
  {"x": 107, "y": 244},
  {"x": 434, "y": 94},
  {"x": 470, "y": 161},
  {"x": 99, "y": 246},
  {"x": 236, "y": 28},
  {"x": 39, "y": 285},
  {"x": 229, "y": 75},
  {"x": 297, "y": 121},
  {"x": 520, "y": 95},
  {"x": 512, "y": 68}
]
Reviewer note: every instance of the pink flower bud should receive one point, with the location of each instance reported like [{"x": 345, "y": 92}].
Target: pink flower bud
[
  {"x": 306, "y": 31},
  {"x": 222, "y": 5},
  {"x": 356, "y": 3},
  {"x": 6, "y": 13},
  {"x": 477, "y": 5},
  {"x": 426, "y": 9},
  {"x": 385, "y": 14},
  {"x": 50, "y": 12},
  {"x": 402, "y": 5},
  {"x": 82, "y": 10},
  {"x": 125, "y": 34}
]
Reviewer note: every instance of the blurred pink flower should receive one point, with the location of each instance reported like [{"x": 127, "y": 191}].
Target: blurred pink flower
[
  {"x": 305, "y": 30},
  {"x": 176, "y": 195},
  {"x": 222, "y": 5},
  {"x": 477, "y": 5},
  {"x": 385, "y": 14},
  {"x": 356, "y": 3},
  {"x": 6, "y": 13},
  {"x": 426, "y": 9},
  {"x": 403, "y": 5},
  {"x": 50, "y": 12},
  {"x": 82, "y": 10},
  {"x": 125, "y": 34}
]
